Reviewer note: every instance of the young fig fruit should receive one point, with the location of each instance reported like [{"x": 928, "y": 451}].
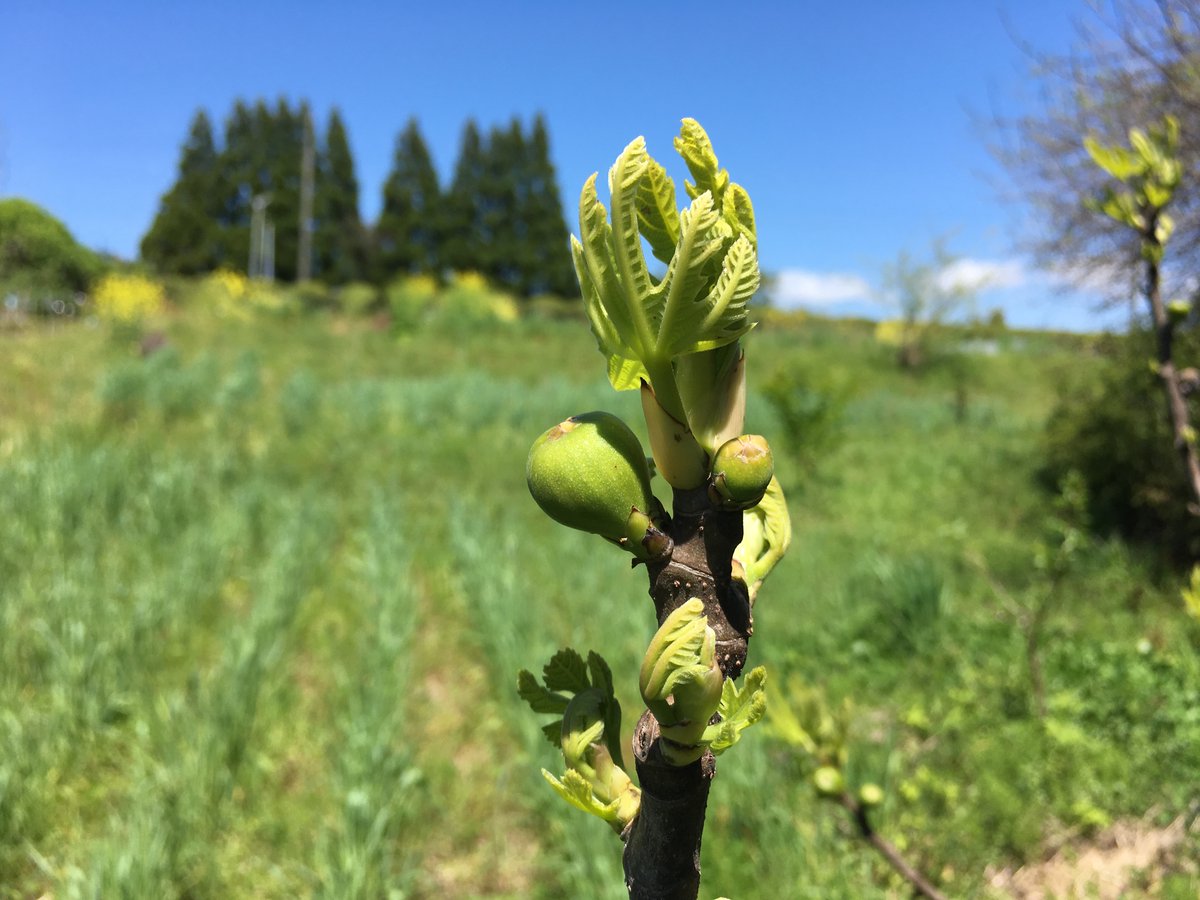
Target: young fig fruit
[
  {"x": 741, "y": 470},
  {"x": 828, "y": 781},
  {"x": 589, "y": 472},
  {"x": 870, "y": 795}
]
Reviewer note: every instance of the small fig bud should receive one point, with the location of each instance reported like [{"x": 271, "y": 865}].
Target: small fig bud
[
  {"x": 1177, "y": 311},
  {"x": 828, "y": 781},
  {"x": 589, "y": 472},
  {"x": 741, "y": 470},
  {"x": 870, "y": 795}
]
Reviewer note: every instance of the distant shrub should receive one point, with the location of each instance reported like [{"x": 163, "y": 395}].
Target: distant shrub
[
  {"x": 357, "y": 298},
  {"x": 308, "y": 296},
  {"x": 40, "y": 262},
  {"x": 549, "y": 306},
  {"x": 809, "y": 405},
  {"x": 411, "y": 300},
  {"x": 231, "y": 295},
  {"x": 127, "y": 300},
  {"x": 902, "y": 604},
  {"x": 469, "y": 299},
  {"x": 1114, "y": 431}
]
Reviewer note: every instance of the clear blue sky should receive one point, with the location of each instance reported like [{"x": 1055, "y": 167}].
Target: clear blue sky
[{"x": 850, "y": 124}]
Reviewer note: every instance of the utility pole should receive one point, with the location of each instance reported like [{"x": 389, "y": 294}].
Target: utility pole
[
  {"x": 307, "y": 165},
  {"x": 262, "y": 240}
]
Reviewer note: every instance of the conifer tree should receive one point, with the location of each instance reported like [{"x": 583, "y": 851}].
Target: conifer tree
[
  {"x": 463, "y": 235},
  {"x": 408, "y": 233},
  {"x": 184, "y": 237},
  {"x": 236, "y": 186},
  {"x": 340, "y": 245},
  {"x": 545, "y": 232},
  {"x": 501, "y": 250},
  {"x": 285, "y": 147}
]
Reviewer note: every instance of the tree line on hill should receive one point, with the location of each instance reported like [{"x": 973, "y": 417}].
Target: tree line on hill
[{"x": 500, "y": 215}]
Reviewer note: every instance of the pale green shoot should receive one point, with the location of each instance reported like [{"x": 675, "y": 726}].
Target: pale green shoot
[
  {"x": 738, "y": 709},
  {"x": 766, "y": 536},
  {"x": 587, "y": 730},
  {"x": 1149, "y": 171},
  {"x": 643, "y": 324}
]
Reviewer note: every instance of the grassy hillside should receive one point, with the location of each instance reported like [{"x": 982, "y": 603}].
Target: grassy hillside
[{"x": 264, "y": 594}]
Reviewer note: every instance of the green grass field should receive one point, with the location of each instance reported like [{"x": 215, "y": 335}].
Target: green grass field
[{"x": 264, "y": 595}]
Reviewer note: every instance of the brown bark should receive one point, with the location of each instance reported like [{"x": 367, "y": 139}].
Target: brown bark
[
  {"x": 1164, "y": 331},
  {"x": 662, "y": 844},
  {"x": 885, "y": 848}
]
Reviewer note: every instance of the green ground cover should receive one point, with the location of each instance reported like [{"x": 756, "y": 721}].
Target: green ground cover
[{"x": 264, "y": 595}]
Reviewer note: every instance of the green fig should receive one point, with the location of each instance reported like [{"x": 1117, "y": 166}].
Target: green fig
[
  {"x": 870, "y": 795},
  {"x": 741, "y": 470},
  {"x": 589, "y": 472},
  {"x": 828, "y": 781}
]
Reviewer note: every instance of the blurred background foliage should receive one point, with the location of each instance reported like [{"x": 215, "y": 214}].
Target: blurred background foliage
[{"x": 263, "y": 601}]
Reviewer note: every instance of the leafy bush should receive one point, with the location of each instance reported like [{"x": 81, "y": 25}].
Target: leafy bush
[
  {"x": 357, "y": 299},
  {"x": 469, "y": 299},
  {"x": 308, "y": 296},
  {"x": 231, "y": 295},
  {"x": 1114, "y": 430},
  {"x": 411, "y": 300},
  {"x": 40, "y": 261},
  {"x": 809, "y": 405},
  {"x": 122, "y": 300}
]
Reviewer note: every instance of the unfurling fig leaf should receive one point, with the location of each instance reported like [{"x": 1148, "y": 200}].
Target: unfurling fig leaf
[
  {"x": 738, "y": 709},
  {"x": 589, "y": 472},
  {"x": 742, "y": 469},
  {"x": 587, "y": 731},
  {"x": 576, "y": 790},
  {"x": 766, "y": 536},
  {"x": 681, "y": 681},
  {"x": 644, "y": 324}
]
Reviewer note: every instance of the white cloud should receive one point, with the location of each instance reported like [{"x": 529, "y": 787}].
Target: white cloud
[
  {"x": 982, "y": 274},
  {"x": 799, "y": 287}
]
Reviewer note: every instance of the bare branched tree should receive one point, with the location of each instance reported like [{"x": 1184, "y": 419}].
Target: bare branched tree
[{"x": 1134, "y": 62}]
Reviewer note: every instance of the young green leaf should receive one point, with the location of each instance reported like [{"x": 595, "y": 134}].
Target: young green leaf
[
  {"x": 739, "y": 709},
  {"x": 1118, "y": 162},
  {"x": 566, "y": 671},
  {"x": 658, "y": 217},
  {"x": 767, "y": 534},
  {"x": 576, "y": 790},
  {"x": 697, "y": 151},
  {"x": 539, "y": 698},
  {"x": 602, "y": 681}
]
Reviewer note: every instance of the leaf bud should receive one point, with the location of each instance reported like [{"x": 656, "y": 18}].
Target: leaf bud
[{"x": 741, "y": 470}]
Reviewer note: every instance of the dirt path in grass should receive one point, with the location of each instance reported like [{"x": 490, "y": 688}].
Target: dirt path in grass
[
  {"x": 1128, "y": 859},
  {"x": 474, "y": 847}
]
